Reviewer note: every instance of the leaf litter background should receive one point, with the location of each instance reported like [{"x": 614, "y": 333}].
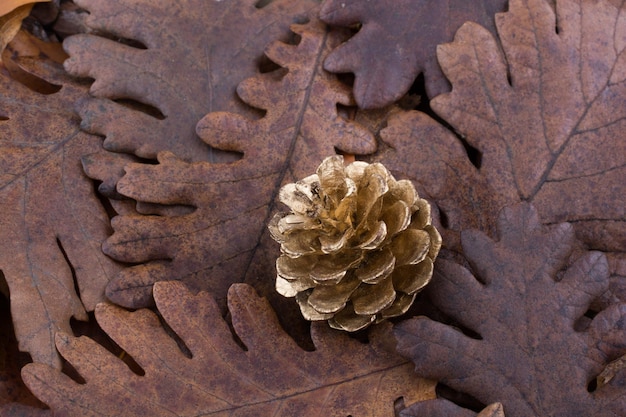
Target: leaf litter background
[{"x": 197, "y": 114}]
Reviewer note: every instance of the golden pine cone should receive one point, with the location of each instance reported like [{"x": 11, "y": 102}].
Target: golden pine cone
[{"x": 357, "y": 245}]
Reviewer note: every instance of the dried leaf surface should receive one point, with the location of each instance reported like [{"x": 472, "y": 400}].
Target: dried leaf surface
[
  {"x": 52, "y": 223},
  {"x": 397, "y": 41},
  {"x": 8, "y": 6},
  {"x": 531, "y": 299},
  {"x": 444, "y": 408},
  {"x": 196, "y": 53},
  {"x": 11, "y": 386},
  {"x": 547, "y": 118},
  {"x": 10, "y": 24},
  {"x": 224, "y": 239},
  {"x": 21, "y": 410},
  {"x": 272, "y": 376}
]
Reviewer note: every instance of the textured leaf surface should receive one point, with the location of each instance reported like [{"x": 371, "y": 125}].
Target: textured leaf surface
[
  {"x": 11, "y": 386},
  {"x": 445, "y": 408},
  {"x": 52, "y": 224},
  {"x": 9, "y": 5},
  {"x": 224, "y": 239},
  {"x": 272, "y": 377},
  {"x": 531, "y": 300},
  {"x": 10, "y": 24},
  {"x": 551, "y": 133},
  {"x": 196, "y": 53},
  {"x": 397, "y": 41}
]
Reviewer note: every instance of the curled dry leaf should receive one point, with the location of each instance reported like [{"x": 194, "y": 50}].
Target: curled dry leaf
[
  {"x": 544, "y": 110},
  {"x": 217, "y": 377},
  {"x": 225, "y": 240},
  {"x": 357, "y": 245},
  {"x": 184, "y": 59},
  {"x": 531, "y": 300},
  {"x": 10, "y": 24},
  {"x": 7, "y": 6},
  {"x": 52, "y": 224},
  {"x": 397, "y": 41}
]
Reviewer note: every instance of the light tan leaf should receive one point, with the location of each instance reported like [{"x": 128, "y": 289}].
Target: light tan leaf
[{"x": 7, "y": 6}]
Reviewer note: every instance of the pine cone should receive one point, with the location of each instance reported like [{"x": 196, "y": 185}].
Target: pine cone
[{"x": 357, "y": 245}]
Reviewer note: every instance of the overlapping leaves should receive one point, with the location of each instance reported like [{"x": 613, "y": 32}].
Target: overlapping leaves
[
  {"x": 184, "y": 59},
  {"x": 531, "y": 333},
  {"x": 397, "y": 41},
  {"x": 217, "y": 377},
  {"x": 545, "y": 111},
  {"x": 52, "y": 223},
  {"x": 224, "y": 239}
]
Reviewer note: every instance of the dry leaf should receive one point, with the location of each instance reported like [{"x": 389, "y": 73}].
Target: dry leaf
[
  {"x": 551, "y": 135},
  {"x": 10, "y": 24},
  {"x": 224, "y": 239},
  {"x": 397, "y": 41},
  {"x": 523, "y": 301},
  {"x": 445, "y": 408},
  {"x": 614, "y": 369},
  {"x": 7, "y": 6},
  {"x": 52, "y": 224},
  {"x": 21, "y": 410},
  {"x": 271, "y": 376},
  {"x": 196, "y": 52}
]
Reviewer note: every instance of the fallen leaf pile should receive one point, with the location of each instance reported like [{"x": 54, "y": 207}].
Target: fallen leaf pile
[
  {"x": 142, "y": 160},
  {"x": 269, "y": 375},
  {"x": 527, "y": 342}
]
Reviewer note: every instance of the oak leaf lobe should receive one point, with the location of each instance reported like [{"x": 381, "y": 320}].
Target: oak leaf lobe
[
  {"x": 184, "y": 59},
  {"x": 397, "y": 41},
  {"x": 532, "y": 296},
  {"x": 225, "y": 240},
  {"x": 542, "y": 109},
  {"x": 272, "y": 376},
  {"x": 52, "y": 223}
]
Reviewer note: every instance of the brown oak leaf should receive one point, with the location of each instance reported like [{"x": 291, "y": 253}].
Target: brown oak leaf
[
  {"x": 225, "y": 240},
  {"x": 213, "y": 375},
  {"x": 397, "y": 41},
  {"x": 185, "y": 60},
  {"x": 444, "y": 408},
  {"x": 545, "y": 110},
  {"x": 52, "y": 223},
  {"x": 524, "y": 298}
]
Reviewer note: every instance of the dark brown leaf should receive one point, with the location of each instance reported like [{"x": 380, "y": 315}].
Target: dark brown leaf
[
  {"x": 52, "y": 224},
  {"x": 21, "y": 410},
  {"x": 523, "y": 300},
  {"x": 271, "y": 377},
  {"x": 196, "y": 52},
  {"x": 397, "y": 41},
  {"x": 546, "y": 120},
  {"x": 224, "y": 239},
  {"x": 445, "y": 408}
]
